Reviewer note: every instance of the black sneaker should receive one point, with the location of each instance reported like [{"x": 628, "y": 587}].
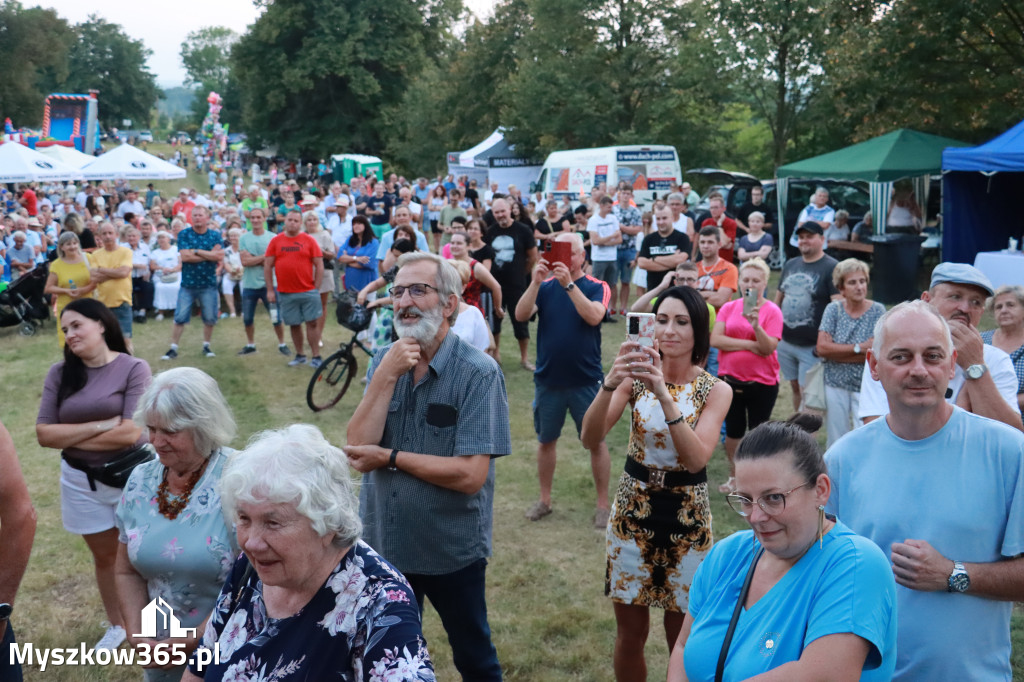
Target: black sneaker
[
  {"x": 140, "y": 319},
  {"x": 170, "y": 354},
  {"x": 208, "y": 352},
  {"x": 284, "y": 350},
  {"x": 247, "y": 350}
]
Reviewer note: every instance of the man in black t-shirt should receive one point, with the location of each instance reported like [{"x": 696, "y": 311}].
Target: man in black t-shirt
[
  {"x": 664, "y": 249},
  {"x": 378, "y": 208},
  {"x": 756, "y": 203},
  {"x": 515, "y": 254}
]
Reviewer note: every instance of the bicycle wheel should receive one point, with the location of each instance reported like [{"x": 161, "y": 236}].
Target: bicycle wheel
[{"x": 331, "y": 380}]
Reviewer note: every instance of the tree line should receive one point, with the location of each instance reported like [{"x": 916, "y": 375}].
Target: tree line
[{"x": 730, "y": 83}]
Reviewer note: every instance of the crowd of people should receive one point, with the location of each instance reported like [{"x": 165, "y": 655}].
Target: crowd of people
[{"x": 850, "y": 570}]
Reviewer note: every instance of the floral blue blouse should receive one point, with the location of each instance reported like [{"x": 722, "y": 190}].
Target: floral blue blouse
[
  {"x": 362, "y": 626},
  {"x": 184, "y": 561}
]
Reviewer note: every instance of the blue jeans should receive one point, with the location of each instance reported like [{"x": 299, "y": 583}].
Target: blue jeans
[
  {"x": 123, "y": 313},
  {"x": 712, "y": 364},
  {"x": 623, "y": 263},
  {"x": 9, "y": 672},
  {"x": 459, "y": 600},
  {"x": 209, "y": 303},
  {"x": 250, "y": 298}
]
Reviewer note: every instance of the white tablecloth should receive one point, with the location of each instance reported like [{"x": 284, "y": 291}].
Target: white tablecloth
[{"x": 1001, "y": 267}]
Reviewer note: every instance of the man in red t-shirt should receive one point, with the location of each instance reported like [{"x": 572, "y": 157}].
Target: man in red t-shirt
[
  {"x": 716, "y": 205},
  {"x": 183, "y": 205},
  {"x": 298, "y": 262},
  {"x": 29, "y": 200}
]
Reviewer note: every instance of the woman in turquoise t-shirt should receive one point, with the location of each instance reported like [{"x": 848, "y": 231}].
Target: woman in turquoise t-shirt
[{"x": 821, "y": 601}]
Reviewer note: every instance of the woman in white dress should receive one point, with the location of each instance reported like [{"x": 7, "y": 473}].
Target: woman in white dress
[{"x": 165, "y": 261}]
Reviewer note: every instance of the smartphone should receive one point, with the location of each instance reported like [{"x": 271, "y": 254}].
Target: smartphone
[
  {"x": 640, "y": 328},
  {"x": 749, "y": 301},
  {"x": 557, "y": 252}
]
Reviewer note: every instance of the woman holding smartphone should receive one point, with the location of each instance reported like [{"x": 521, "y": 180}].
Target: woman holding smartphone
[
  {"x": 660, "y": 525},
  {"x": 746, "y": 333}
]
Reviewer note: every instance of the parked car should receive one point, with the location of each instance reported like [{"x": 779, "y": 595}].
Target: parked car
[
  {"x": 145, "y": 136},
  {"x": 735, "y": 189}
]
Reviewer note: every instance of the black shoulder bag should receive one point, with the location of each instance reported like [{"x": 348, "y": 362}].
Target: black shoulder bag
[{"x": 724, "y": 653}]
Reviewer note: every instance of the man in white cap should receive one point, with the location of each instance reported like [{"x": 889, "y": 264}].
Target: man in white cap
[
  {"x": 984, "y": 381},
  {"x": 339, "y": 223},
  {"x": 183, "y": 205}
]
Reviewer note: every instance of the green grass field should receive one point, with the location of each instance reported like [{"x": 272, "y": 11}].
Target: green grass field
[{"x": 549, "y": 616}]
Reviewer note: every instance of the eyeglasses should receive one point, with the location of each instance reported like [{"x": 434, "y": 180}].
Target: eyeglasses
[
  {"x": 771, "y": 504},
  {"x": 415, "y": 290}
]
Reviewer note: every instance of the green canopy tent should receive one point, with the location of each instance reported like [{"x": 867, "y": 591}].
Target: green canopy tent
[{"x": 879, "y": 161}]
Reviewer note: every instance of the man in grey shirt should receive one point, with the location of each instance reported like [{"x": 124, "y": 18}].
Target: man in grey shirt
[{"x": 433, "y": 418}]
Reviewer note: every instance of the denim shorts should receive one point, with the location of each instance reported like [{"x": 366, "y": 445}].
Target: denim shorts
[
  {"x": 550, "y": 404},
  {"x": 209, "y": 303},
  {"x": 123, "y": 313},
  {"x": 251, "y": 297},
  {"x": 623, "y": 259},
  {"x": 298, "y": 308}
]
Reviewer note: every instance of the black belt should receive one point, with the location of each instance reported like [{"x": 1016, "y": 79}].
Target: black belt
[{"x": 660, "y": 478}]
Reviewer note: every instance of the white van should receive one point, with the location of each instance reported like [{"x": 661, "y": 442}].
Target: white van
[{"x": 651, "y": 169}]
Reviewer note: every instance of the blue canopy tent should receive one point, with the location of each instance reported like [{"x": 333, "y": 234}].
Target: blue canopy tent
[{"x": 981, "y": 191}]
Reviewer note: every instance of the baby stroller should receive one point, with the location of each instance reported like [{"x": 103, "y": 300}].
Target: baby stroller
[{"x": 23, "y": 302}]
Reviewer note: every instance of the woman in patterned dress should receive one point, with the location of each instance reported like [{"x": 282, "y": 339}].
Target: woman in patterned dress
[{"x": 660, "y": 525}]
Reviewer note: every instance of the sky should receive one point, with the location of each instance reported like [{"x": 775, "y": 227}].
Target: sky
[{"x": 163, "y": 25}]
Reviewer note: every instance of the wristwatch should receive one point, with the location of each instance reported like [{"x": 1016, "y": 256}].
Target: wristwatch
[
  {"x": 856, "y": 348},
  {"x": 958, "y": 581},
  {"x": 393, "y": 460},
  {"x": 5, "y": 612},
  {"x": 570, "y": 286},
  {"x": 976, "y": 371}
]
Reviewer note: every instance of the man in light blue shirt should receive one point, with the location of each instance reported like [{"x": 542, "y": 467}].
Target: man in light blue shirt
[{"x": 941, "y": 491}]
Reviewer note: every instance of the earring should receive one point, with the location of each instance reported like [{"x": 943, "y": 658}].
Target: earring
[{"x": 821, "y": 524}]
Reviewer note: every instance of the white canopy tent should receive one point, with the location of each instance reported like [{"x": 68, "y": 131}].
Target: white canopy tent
[
  {"x": 495, "y": 160},
  {"x": 18, "y": 163},
  {"x": 131, "y": 163},
  {"x": 66, "y": 155}
]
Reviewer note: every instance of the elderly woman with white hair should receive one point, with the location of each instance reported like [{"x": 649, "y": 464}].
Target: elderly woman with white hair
[
  {"x": 308, "y": 600},
  {"x": 175, "y": 543},
  {"x": 1008, "y": 306}
]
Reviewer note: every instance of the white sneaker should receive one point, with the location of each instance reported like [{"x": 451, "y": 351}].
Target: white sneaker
[
  {"x": 112, "y": 638},
  {"x": 159, "y": 317}
]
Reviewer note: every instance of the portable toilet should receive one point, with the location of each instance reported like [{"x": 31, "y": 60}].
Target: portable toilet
[{"x": 347, "y": 166}]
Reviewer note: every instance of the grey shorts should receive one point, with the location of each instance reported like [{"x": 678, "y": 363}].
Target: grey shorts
[
  {"x": 794, "y": 361},
  {"x": 606, "y": 271},
  {"x": 298, "y": 308}
]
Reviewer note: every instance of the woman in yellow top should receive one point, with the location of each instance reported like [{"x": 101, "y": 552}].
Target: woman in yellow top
[{"x": 69, "y": 275}]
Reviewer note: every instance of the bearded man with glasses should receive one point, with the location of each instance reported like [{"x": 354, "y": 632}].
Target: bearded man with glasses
[{"x": 432, "y": 420}]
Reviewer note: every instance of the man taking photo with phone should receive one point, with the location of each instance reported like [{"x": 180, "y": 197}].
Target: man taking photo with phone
[{"x": 570, "y": 307}]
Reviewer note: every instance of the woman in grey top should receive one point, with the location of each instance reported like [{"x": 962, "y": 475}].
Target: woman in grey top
[
  {"x": 844, "y": 336},
  {"x": 86, "y": 412}
]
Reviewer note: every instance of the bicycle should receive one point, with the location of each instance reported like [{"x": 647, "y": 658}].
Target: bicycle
[{"x": 332, "y": 378}]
